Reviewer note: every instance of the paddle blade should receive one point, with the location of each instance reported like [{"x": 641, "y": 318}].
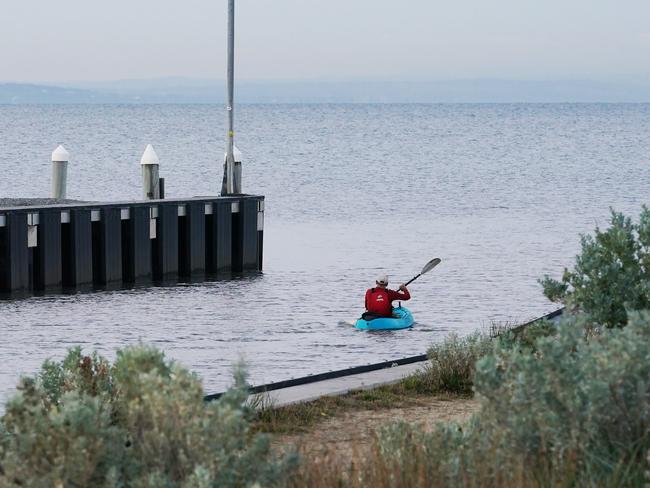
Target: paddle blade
[{"x": 430, "y": 265}]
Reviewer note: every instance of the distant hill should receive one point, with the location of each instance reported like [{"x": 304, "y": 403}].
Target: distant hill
[
  {"x": 185, "y": 90},
  {"x": 16, "y": 93}
]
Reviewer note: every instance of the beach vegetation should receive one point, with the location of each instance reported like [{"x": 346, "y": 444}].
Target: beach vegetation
[
  {"x": 451, "y": 363},
  {"x": 140, "y": 422},
  {"x": 611, "y": 275},
  {"x": 560, "y": 404},
  {"x": 572, "y": 411}
]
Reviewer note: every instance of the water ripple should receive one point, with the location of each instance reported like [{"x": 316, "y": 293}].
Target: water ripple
[{"x": 500, "y": 192}]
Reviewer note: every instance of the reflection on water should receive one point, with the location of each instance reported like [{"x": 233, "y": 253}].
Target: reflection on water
[{"x": 499, "y": 192}]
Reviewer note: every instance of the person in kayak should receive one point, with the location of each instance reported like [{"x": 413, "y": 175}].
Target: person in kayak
[{"x": 379, "y": 299}]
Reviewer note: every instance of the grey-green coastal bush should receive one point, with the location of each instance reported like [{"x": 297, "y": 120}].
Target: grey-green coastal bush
[
  {"x": 611, "y": 275},
  {"x": 451, "y": 363},
  {"x": 579, "y": 405},
  {"x": 574, "y": 411},
  {"x": 141, "y": 422}
]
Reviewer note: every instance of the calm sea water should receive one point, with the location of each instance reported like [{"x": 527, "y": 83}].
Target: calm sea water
[{"x": 499, "y": 192}]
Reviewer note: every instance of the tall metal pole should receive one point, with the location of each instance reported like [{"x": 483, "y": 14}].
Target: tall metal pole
[{"x": 227, "y": 184}]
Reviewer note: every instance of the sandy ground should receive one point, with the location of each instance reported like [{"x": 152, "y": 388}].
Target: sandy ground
[{"x": 353, "y": 430}]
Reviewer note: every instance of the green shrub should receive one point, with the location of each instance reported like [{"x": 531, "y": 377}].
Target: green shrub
[
  {"x": 579, "y": 400},
  {"x": 526, "y": 337},
  {"x": 611, "y": 275},
  {"x": 83, "y": 374},
  {"x": 72, "y": 443},
  {"x": 141, "y": 422},
  {"x": 451, "y": 363},
  {"x": 574, "y": 410}
]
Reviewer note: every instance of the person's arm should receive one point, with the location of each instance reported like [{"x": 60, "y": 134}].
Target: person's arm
[
  {"x": 395, "y": 295},
  {"x": 367, "y": 296}
]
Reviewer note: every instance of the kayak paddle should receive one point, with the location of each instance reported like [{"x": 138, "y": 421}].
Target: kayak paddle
[{"x": 427, "y": 267}]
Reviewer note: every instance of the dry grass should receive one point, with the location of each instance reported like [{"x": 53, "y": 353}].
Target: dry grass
[
  {"x": 422, "y": 465},
  {"x": 301, "y": 417},
  {"x": 367, "y": 466},
  {"x": 352, "y": 430}
]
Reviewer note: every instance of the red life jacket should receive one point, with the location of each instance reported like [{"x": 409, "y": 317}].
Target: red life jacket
[{"x": 377, "y": 302}]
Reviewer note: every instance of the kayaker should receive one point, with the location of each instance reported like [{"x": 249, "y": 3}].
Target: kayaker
[{"x": 379, "y": 299}]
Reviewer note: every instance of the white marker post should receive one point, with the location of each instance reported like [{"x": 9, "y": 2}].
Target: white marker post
[
  {"x": 60, "y": 158},
  {"x": 150, "y": 174}
]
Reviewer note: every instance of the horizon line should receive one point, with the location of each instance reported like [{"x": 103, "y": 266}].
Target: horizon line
[{"x": 627, "y": 80}]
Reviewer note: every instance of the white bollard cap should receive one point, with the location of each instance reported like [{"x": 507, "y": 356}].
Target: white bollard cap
[
  {"x": 60, "y": 155},
  {"x": 236, "y": 154},
  {"x": 149, "y": 156}
]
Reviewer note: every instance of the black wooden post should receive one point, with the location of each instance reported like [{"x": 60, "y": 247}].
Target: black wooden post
[
  {"x": 192, "y": 235},
  {"x": 108, "y": 246},
  {"x": 14, "y": 265},
  {"x": 219, "y": 238},
  {"x": 48, "y": 270},
  {"x": 77, "y": 250},
  {"x": 166, "y": 243},
  {"x": 136, "y": 245},
  {"x": 248, "y": 211}
]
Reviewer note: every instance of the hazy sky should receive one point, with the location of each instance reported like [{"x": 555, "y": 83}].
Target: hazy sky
[{"x": 65, "y": 40}]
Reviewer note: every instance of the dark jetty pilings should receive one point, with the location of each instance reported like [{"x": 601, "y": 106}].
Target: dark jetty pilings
[{"x": 52, "y": 247}]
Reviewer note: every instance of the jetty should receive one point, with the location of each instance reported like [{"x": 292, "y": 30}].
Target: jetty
[
  {"x": 54, "y": 247},
  {"x": 55, "y": 244}
]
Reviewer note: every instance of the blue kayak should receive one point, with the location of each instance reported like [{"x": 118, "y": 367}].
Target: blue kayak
[{"x": 402, "y": 319}]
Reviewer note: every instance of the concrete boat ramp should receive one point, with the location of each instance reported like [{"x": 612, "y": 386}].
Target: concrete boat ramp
[
  {"x": 338, "y": 386},
  {"x": 333, "y": 383}
]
